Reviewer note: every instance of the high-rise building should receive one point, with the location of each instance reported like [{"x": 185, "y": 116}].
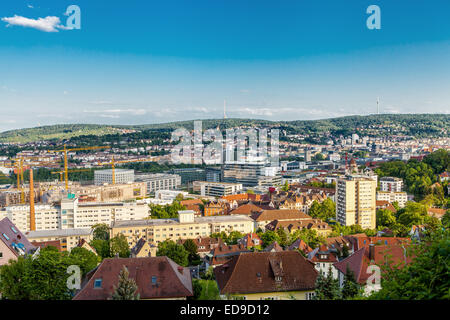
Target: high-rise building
[
  {"x": 356, "y": 201},
  {"x": 121, "y": 176}
]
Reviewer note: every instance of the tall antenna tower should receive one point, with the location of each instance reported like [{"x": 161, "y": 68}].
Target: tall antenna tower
[
  {"x": 224, "y": 109},
  {"x": 378, "y": 105}
]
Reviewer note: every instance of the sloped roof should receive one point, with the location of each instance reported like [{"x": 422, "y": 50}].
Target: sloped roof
[
  {"x": 172, "y": 280},
  {"x": 281, "y": 214},
  {"x": 360, "y": 260},
  {"x": 15, "y": 240},
  {"x": 273, "y": 247},
  {"x": 256, "y": 272},
  {"x": 246, "y": 209}
]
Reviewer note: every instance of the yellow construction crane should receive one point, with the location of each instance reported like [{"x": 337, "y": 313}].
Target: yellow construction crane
[
  {"x": 71, "y": 170},
  {"x": 113, "y": 165},
  {"x": 65, "y": 150}
]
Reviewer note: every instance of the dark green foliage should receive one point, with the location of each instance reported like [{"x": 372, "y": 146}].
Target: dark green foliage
[
  {"x": 426, "y": 277},
  {"x": 205, "y": 290},
  {"x": 102, "y": 247},
  {"x": 174, "y": 251},
  {"x": 100, "y": 231},
  {"x": 327, "y": 288},
  {"x": 119, "y": 246},
  {"x": 44, "y": 277},
  {"x": 166, "y": 212},
  {"x": 191, "y": 248},
  {"x": 325, "y": 211},
  {"x": 126, "y": 288},
  {"x": 86, "y": 259},
  {"x": 351, "y": 287}
]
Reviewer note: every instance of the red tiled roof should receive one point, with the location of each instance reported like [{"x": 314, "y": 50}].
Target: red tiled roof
[
  {"x": 257, "y": 272},
  {"x": 246, "y": 209},
  {"x": 360, "y": 260},
  {"x": 44, "y": 244},
  {"x": 172, "y": 280},
  {"x": 281, "y": 214}
]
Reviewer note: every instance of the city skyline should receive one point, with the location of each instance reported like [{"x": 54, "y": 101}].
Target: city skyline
[{"x": 163, "y": 62}]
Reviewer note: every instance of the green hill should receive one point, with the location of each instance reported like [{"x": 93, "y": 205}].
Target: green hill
[{"x": 419, "y": 125}]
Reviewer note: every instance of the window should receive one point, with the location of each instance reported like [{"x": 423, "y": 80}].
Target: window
[
  {"x": 5, "y": 236},
  {"x": 98, "y": 283},
  {"x": 13, "y": 229},
  {"x": 1, "y": 255},
  {"x": 154, "y": 280}
]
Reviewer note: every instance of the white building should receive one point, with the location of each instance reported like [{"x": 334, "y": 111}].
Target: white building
[
  {"x": 400, "y": 197},
  {"x": 73, "y": 214},
  {"x": 121, "y": 176},
  {"x": 391, "y": 184},
  {"x": 169, "y": 194},
  {"x": 216, "y": 189},
  {"x": 159, "y": 181}
]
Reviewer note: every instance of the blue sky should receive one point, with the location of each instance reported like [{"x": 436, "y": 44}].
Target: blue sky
[{"x": 135, "y": 62}]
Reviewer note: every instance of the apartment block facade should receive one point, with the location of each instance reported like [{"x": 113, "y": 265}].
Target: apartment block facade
[{"x": 356, "y": 201}]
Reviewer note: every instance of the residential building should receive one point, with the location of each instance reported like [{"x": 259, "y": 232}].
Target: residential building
[
  {"x": 213, "y": 174},
  {"x": 143, "y": 249},
  {"x": 324, "y": 260},
  {"x": 159, "y": 181},
  {"x": 169, "y": 194},
  {"x": 69, "y": 238},
  {"x": 355, "y": 201},
  {"x": 187, "y": 226},
  {"x": 155, "y": 277},
  {"x": 267, "y": 276},
  {"x": 205, "y": 245},
  {"x": 106, "y": 176},
  {"x": 368, "y": 255},
  {"x": 391, "y": 184},
  {"x": 266, "y": 216},
  {"x": 215, "y": 208},
  {"x": 391, "y": 196},
  {"x": 321, "y": 227},
  {"x": 13, "y": 243}
]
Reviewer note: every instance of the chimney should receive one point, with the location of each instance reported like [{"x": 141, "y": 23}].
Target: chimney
[
  {"x": 32, "y": 216},
  {"x": 371, "y": 251}
]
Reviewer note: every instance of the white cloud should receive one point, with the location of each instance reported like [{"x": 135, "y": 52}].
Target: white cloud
[
  {"x": 30, "y": 6},
  {"x": 47, "y": 24}
]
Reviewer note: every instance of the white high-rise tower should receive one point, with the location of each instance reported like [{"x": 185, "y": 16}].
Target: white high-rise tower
[{"x": 224, "y": 109}]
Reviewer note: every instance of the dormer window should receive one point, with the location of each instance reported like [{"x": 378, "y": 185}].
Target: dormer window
[
  {"x": 98, "y": 283},
  {"x": 154, "y": 280},
  {"x": 278, "y": 278},
  {"x": 13, "y": 229},
  {"x": 5, "y": 236}
]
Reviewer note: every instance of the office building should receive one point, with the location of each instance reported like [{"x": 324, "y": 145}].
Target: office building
[
  {"x": 216, "y": 189},
  {"x": 251, "y": 174},
  {"x": 121, "y": 176},
  {"x": 213, "y": 174},
  {"x": 188, "y": 175},
  {"x": 159, "y": 181},
  {"x": 356, "y": 201}
]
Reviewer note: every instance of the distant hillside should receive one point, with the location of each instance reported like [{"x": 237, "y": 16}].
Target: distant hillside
[
  {"x": 56, "y": 132},
  {"x": 420, "y": 125}
]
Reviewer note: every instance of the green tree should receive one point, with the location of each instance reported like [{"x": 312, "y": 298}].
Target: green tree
[
  {"x": 102, "y": 247},
  {"x": 126, "y": 288},
  {"x": 191, "y": 248},
  {"x": 269, "y": 237},
  {"x": 425, "y": 277},
  {"x": 84, "y": 258},
  {"x": 385, "y": 218},
  {"x": 283, "y": 237},
  {"x": 174, "y": 251},
  {"x": 100, "y": 232},
  {"x": 233, "y": 237},
  {"x": 285, "y": 186},
  {"x": 327, "y": 288},
  {"x": 351, "y": 287},
  {"x": 119, "y": 246}
]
